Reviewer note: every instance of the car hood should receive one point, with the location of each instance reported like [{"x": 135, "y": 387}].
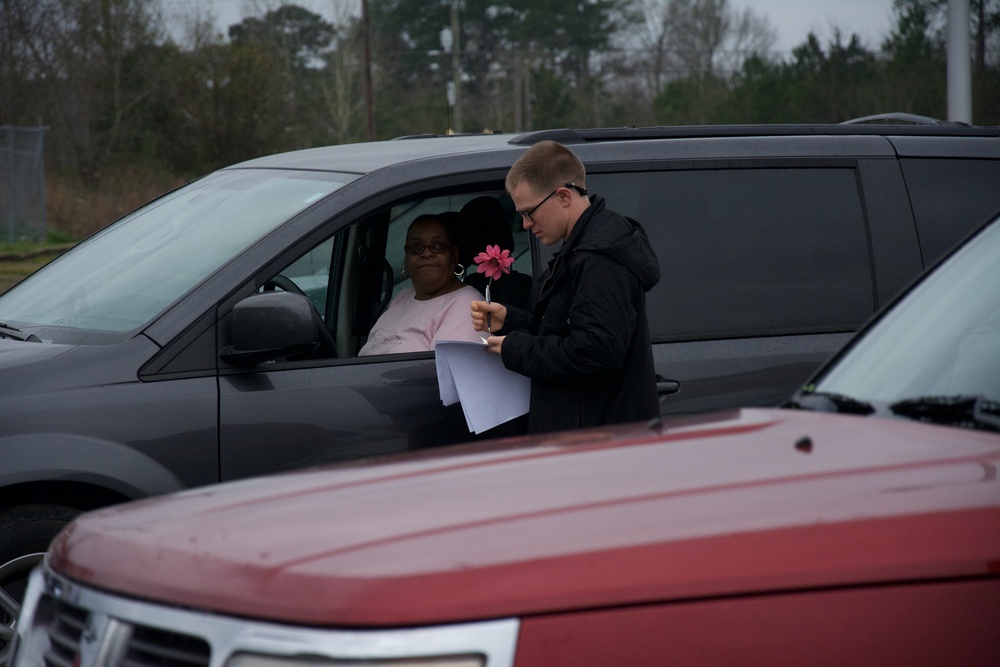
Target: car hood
[
  {"x": 28, "y": 368},
  {"x": 736, "y": 503},
  {"x": 15, "y": 353}
]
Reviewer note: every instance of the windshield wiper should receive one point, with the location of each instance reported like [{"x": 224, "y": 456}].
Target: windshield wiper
[
  {"x": 829, "y": 402},
  {"x": 7, "y": 331},
  {"x": 965, "y": 411}
]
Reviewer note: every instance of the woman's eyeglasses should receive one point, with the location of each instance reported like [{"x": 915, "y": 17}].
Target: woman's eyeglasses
[{"x": 436, "y": 247}]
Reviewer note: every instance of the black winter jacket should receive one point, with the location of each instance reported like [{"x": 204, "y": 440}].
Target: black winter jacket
[{"x": 585, "y": 342}]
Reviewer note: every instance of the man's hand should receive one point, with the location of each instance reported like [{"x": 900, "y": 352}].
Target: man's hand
[
  {"x": 494, "y": 343},
  {"x": 497, "y": 311}
]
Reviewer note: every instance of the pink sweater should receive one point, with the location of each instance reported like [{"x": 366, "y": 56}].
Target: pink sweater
[{"x": 409, "y": 325}]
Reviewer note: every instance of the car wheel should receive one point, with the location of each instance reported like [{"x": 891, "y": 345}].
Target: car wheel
[{"x": 25, "y": 534}]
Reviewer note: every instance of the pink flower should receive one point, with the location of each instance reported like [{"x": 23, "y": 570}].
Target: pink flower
[{"x": 494, "y": 262}]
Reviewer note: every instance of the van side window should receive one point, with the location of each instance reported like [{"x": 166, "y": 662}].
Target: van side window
[
  {"x": 750, "y": 252},
  {"x": 311, "y": 275},
  {"x": 950, "y": 198}
]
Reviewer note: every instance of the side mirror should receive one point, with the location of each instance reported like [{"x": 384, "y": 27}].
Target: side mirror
[{"x": 271, "y": 325}]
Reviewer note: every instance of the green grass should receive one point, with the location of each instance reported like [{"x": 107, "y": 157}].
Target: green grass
[
  {"x": 20, "y": 259},
  {"x": 13, "y": 271}
]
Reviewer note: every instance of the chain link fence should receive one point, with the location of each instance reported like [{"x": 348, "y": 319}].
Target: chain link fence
[{"x": 22, "y": 184}]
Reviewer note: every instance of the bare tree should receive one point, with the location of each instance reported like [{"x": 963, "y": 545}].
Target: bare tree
[
  {"x": 698, "y": 35},
  {"x": 704, "y": 38},
  {"x": 342, "y": 87},
  {"x": 198, "y": 27},
  {"x": 656, "y": 41},
  {"x": 76, "y": 65},
  {"x": 749, "y": 34}
]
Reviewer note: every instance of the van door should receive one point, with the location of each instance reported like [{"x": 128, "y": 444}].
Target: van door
[{"x": 309, "y": 410}]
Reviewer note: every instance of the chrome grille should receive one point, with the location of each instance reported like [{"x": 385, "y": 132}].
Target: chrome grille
[
  {"x": 65, "y": 627},
  {"x": 70, "y": 629},
  {"x": 150, "y": 647},
  {"x": 64, "y": 624}
]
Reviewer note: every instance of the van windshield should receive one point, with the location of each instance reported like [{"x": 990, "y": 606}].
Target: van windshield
[
  {"x": 121, "y": 278},
  {"x": 936, "y": 355}
]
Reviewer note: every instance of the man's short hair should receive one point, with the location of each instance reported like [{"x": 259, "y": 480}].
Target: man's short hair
[{"x": 546, "y": 166}]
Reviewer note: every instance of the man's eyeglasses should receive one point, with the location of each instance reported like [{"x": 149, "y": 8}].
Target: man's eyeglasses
[
  {"x": 528, "y": 214},
  {"x": 436, "y": 247}
]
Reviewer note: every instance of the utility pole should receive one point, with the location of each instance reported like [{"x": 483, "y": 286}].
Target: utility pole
[
  {"x": 369, "y": 97},
  {"x": 456, "y": 65},
  {"x": 959, "y": 65}
]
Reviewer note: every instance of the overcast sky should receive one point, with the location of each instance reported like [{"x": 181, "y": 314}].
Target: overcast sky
[{"x": 793, "y": 19}]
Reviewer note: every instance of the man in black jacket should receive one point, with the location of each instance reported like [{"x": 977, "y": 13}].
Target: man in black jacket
[{"x": 585, "y": 340}]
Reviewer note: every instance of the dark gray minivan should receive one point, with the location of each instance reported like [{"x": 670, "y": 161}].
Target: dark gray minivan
[{"x": 145, "y": 360}]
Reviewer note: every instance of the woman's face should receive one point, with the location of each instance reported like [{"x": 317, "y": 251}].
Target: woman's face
[{"x": 432, "y": 269}]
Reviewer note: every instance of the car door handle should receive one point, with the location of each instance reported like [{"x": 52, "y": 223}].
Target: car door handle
[{"x": 666, "y": 387}]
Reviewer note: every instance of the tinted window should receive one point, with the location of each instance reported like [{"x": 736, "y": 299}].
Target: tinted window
[
  {"x": 950, "y": 198},
  {"x": 750, "y": 252}
]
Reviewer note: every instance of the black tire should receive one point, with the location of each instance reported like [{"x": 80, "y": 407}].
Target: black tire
[{"x": 25, "y": 534}]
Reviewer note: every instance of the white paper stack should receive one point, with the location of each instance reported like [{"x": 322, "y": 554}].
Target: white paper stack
[{"x": 490, "y": 394}]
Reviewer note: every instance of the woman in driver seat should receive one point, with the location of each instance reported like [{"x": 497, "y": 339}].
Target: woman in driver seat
[{"x": 436, "y": 306}]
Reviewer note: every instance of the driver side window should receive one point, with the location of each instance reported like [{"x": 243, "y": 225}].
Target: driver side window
[
  {"x": 350, "y": 277},
  {"x": 311, "y": 275}
]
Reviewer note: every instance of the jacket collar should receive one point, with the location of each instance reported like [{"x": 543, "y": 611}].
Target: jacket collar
[{"x": 556, "y": 263}]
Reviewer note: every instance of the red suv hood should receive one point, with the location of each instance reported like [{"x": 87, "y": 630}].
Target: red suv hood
[{"x": 734, "y": 504}]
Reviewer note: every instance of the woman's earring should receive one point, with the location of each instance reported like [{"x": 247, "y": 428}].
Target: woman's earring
[
  {"x": 403, "y": 272},
  {"x": 460, "y": 272}
]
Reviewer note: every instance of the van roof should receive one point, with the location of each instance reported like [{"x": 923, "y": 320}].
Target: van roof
[{"x": 366, "y": 157}]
